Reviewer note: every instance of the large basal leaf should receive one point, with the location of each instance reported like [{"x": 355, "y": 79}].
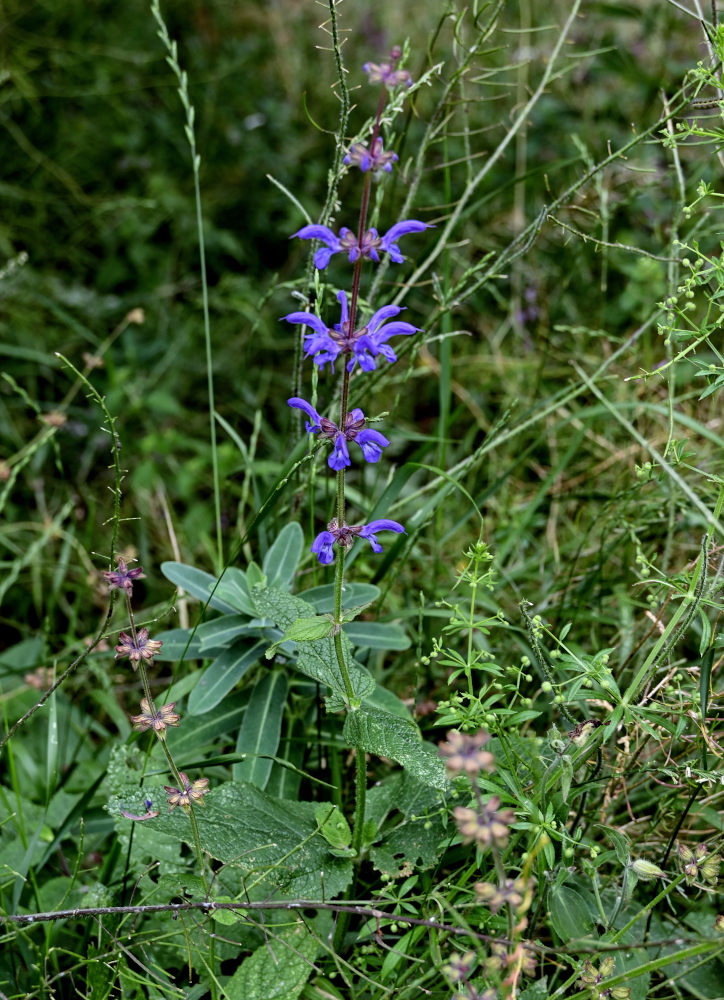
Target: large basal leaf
[
  {"x": 222, "y": 675},
  {"x": 188, "y": 739},
  {"x": 353, "y": 595},
  {"x": 278, "y": 969},
  {"x": 197, "y": 583},
  {"x": 234, "y": 589},
  {"x": 317, "y": 658},
  {"x": 266, "y": 840},
  {"x": 261, "y": 729},
  {"x": 281, "y": 560},
  {"x": 223, "y": 631},
  {"x": 181, "y": 643},
  {"x": 376, "y": 635},
  {"x": 386, "y": 735}
]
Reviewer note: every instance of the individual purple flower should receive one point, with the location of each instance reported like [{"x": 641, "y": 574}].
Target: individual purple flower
[
  {"x": 374, "y": 158},
  {"x": 386, "y": 73},
  {"x": 123, "y": 577},
  {"x": 347, "y": 242},
  {"x": 364, "y": 344},
  {"x": 370, "y": 441},
  {"x": 137, "y": 648},
  {"x": 323, "y": 544}
]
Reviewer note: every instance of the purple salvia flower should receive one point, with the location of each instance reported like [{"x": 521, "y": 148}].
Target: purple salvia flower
[
  {"x": 347, "y": 242},
  {"x": 370, "y": 441},
  {"x": 370, "y": 159},
  {"x": 364, "y": 344},
  {"x": 369, "y": 531},
  {"x": 123, "y": 577},
  {"x": 386, "y": 73},
  {"x": 322, "y": 546}
]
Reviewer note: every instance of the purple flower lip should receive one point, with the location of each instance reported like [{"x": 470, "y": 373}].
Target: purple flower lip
[
  {"x": 370, "y": 441},
  {"x": 362, "y": 346},
  {"x": 369, "y": 246},
  {"x": 323, "y": 544}
]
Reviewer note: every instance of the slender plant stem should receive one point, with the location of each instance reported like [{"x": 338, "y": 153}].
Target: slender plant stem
[{"x": 183, "y": 92}]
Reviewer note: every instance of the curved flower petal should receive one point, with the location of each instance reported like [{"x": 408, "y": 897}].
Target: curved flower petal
[
  {"x": 313, "y": 424},
  {"x": 323, "y": 233},
  {"x": 371, "y": 442},
  {"x": 322, "y": 547},
  {"x": 307, "y": 319},
  {"x": 369, "y": 531},
  {"x": 339, "y": 459},
  {"x": 378, "y": 318},
  {"x": 398, "y": 329},
  {"x": 344, "y": 318},
  {"x": 400, "y": 229}
]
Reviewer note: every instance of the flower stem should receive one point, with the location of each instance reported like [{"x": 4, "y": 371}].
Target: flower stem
[{"x": 162, "y": 740}]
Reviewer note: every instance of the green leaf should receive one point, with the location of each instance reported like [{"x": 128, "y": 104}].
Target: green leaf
[
  {"x": 222, "y": 675},
  {"x": 278, "y": 969},
  {"x": 318, "y": 657},
  {"x": 382, "y": 698},
  {"x": 234, "y": 589},
  {"x": 353, "y": 594},
  {"x": 332, "y": 825},
  {"x": 417, "y": 836},
  {"x": 222, "y": 631},
  {"x": 270, "y": 842},
  {"x": 376, "y": 635},
  {"x": 566, "y": 776},
  {"x": 224, "y": 718},
  {"x": 303, "y": 630},
  {"x": 568, "y": 913},
  {"x": 176, "y": 645},
  {"x": 281, "y": 560},
  {"x": 195, "y": 582},
  {"x": 387, "y": 735},
  {"x": 261, "y": 729},
  {"x": 620, "y": 844},
  {"x": 254, "y": 577}
]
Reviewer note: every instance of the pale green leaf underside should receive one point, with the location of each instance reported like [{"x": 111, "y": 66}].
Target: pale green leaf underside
[{"x": 388, "y": 735}]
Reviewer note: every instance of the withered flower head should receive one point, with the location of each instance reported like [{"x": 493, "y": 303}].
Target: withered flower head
[
  {"x": 495, "y": 896},
  {"x": 459, "y": 966},
  {"x": 139, "y": 648},
  {"x": 484, "y": 828},
  {"x": 192, "y": 791},
  {"x": 156, "y": 720},
  {"x": 123, "y": 577},
  {"x": 464, "y": 754}
]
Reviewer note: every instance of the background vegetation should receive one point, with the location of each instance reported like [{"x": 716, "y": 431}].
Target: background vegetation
[{"x": 568, "y": 383}]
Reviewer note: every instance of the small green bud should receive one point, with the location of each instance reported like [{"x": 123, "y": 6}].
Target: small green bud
[{"x": 647, "y": 870}]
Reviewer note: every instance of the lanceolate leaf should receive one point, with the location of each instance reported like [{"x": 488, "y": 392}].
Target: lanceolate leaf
[
  {"x": 385, "y": 735},
  {"x": 234, "y": 589},
  {"x": 281, "y": 560},
  {"x": 376, "y": 635},
  {"x": 261, "y": 729},
  {"x": 222, "y": 675},
  {"x": 195, "y": 582}
]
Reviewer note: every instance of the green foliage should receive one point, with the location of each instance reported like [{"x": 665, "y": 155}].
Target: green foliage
[{"x": 565, "y": 382}]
